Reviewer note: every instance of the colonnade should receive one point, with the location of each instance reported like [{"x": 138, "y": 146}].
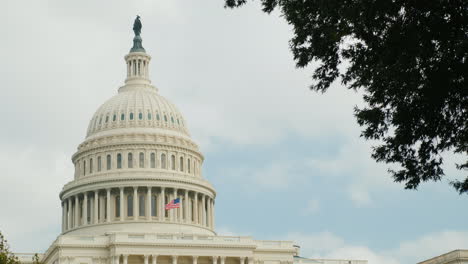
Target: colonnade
[
  {"x": 123, "y": 259},
  {"x": 136, "y": 203},
  {"x": 137, "y": 66}
]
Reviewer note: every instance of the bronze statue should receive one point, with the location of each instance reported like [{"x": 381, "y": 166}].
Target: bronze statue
[{"x": 137, "y": 26}]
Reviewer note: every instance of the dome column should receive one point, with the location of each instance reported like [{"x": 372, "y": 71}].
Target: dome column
[
  {"x": 196, "y": 208},
  {"x": 69, "y": 213},
  {"x": 203, "y": 211},
  {"x": 96, "y": 207},
  {"x": 121, "y": 203},
  {"x": 108, "y": 215},
  {"x": 154, "y": 259},
  {"x": 162, "y": 214},
  {"x": 85, "y": 208},
  {"x": 125, "y": 259},
  {"x": 148, "y": 204},
  {"x": 63, "y": 216},
  {"x": 77, "y": 211},
  {"x": 194, "y": 259},
  {"x": 135, "y": 203},
  {"x": 186, "y": 206}
]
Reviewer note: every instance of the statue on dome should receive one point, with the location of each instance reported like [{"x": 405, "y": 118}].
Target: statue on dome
[{"x": 137, "y": 26}]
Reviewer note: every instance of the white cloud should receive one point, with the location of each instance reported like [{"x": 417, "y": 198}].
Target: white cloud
[
  {"x": 329, "y": 245},
  {"x": 31, "y": 181},
  {"x": 432, "y": 245},
  {"x": 360, "y": 196}
]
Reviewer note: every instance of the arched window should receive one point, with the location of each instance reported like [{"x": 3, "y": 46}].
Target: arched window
[
  {"x": 117, "y": 206},
  {"x": 157, "y": 117},
  {"x": 188, "y": 165},
  {"x": 131, "y": 116},
  {"x": 141, "y": 205},
  {"x": 114, "y": 117},
  {"x": 84, "y": 167},
  {"x": 178, "y": 121},
  {"x": 99, "y": 163},
  {"x": 90, "y": 165},
  {"x": 122, "y": 117},
  {"x": 130, "y": 160},
  {"x": 172, "y": 120},
  {"x": 107, "y": 119},
  {"x": 149, "y": 116},
  {"x": 163, "y": 161},
  {"x": 130, "y": 205},
  {"x": 119, "y": 161},
  {"x": 165, "y": 118},
  {"x": 153, "y": 160},
  {"x": 108, "y": 161},
  {"x": 181, "y": 164},
  {"x": 140, "y": 116},
  {"x": 153, "y": 205},
  {"x": 100, "y": 120},
  {"x": 173, "y": 162},
  {"x": 142, "y": 160}
]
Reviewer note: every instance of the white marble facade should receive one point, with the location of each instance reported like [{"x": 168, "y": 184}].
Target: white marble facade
[{"x": 137, "y": 156}]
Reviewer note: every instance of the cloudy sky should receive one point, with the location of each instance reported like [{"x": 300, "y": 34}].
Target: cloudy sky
[{"x": 287, "y": 163}]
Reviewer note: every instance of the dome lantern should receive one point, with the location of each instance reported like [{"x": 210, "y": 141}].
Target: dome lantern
[{"x": 137, "y": 60}]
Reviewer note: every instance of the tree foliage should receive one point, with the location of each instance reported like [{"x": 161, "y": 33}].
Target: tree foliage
[
  {"x": 6, "y": 256},
  {"x": 409, "y": 59}
]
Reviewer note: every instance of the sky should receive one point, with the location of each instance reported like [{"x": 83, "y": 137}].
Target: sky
[{"x": 287, "y": 163}]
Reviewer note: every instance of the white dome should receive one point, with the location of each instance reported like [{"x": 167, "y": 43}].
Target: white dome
[{"x": 137, "y": 108}]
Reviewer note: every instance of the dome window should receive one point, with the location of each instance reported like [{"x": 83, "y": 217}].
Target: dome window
[
  {"x": 130, "y": 160},
  {"x": 117, "y": 206},
  {"x": 100, "y": 120},
  {"x": 107, "y": 119},
  {"x": 157, "y": 117},
  {"x": 165, "y": 118},
  {"x": 99, "y": 163},
  {"x": 163, "y": 161},
  {"x": 108, "y": 161},
  {"x": 172, "y": 120},
  {"x": 178, "y": 121},
  {"x": 130, "y": 205},
  {"x": 141, "y": 160},
  {"x": 181, "y": 164},
  {"x": 122, "y": 117},
  {"x": 149, "y": 116},
  {"x": 153, "y": 160},
  {"x": 140, "y": 116},
  {"x": 114, "y": 117},
  {"x": 131, "y": 116},
  {"x": 119, "y": 161},
  {"x": 188, "y": 165}
]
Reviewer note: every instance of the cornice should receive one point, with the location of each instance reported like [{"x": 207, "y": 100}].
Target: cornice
[{"x": 132, "y": 176}]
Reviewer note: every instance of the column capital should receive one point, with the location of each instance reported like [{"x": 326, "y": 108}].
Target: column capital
[
  {"x": 175, "y": 256},
  {"x": 154, "y": 255},
  {"x": 195, "y": 257}
]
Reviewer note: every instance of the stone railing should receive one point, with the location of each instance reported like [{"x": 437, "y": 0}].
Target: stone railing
[
  {"x": 27, "y": 257},
  {"x": 180, "y": 238},
  {"x": 328, "y": 261}
]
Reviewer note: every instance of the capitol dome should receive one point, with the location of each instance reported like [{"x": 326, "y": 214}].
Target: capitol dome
[
  {"x": 137, "y": 157},
  {"x": 135, "y": 109}
]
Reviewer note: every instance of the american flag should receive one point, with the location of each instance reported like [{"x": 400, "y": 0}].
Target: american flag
[{"x": 173, "y": 204}]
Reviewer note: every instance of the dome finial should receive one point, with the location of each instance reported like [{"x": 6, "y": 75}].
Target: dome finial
[{"x": 137, "y": 41}]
